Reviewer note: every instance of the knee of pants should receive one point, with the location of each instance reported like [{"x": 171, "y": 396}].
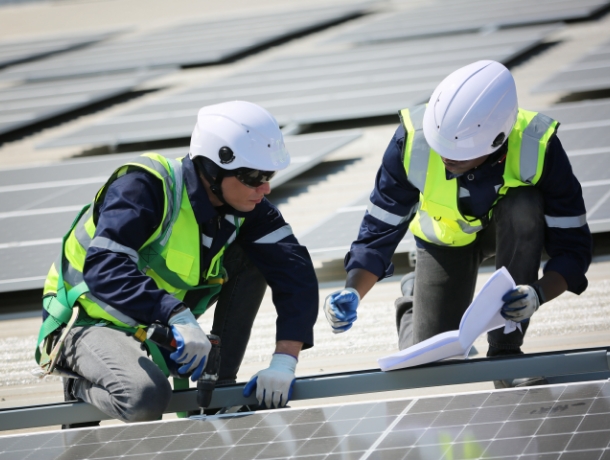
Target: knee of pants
[
  {"x": 522, "y": 210},
  {"x": 144, "y": 402}
]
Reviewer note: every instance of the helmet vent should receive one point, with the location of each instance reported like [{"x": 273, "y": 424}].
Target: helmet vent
[
  {"x": 499, "y": 140},
  {"x": 225, "y": 154}
]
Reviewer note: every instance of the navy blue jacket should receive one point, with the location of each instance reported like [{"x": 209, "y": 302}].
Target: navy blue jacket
[
  {"x": 569, "y": 249},
  {"x": 131, "y": 211}
]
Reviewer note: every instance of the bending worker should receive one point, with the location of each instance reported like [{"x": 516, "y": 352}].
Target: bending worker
[
  {"x": 472, "y": 176},
  {"x": 162, "y": 241}
]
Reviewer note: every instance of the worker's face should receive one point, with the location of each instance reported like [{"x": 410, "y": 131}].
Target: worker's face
[
  {"x": 460, "y": 167},
  {"x": 241, "y": 197}
]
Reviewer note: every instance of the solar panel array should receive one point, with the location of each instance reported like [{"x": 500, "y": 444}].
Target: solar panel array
[
  {"x": 26, "y": 104},
  {"x": 589, "y": 73},
  {"x": 319, "y": 87},
  {"x": 458, "y": 16},
  {"x": 37, "y": 205},
  {"x": 331, "y": 238},
  {"x": 15, "y": 51},
  {"x": 585, "y": 135},
  {"x": 195, "y": 43},
  {"x": 570, "y": 421}
]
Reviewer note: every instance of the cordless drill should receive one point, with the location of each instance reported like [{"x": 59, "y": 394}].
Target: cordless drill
[{"x": 162, "y": 336}]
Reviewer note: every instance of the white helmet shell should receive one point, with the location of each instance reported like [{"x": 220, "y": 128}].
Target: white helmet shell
[
  {"x": 249, "y": 131},
  {"x": 469, "y": 109}
]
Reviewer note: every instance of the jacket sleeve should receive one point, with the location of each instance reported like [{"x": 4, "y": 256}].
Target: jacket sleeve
[
  {"x": 287, "y": 267},
  {"x": 392, "y": 206},
  {"x": 568, "y": 240},
  {"x": 131, "y": 211}
]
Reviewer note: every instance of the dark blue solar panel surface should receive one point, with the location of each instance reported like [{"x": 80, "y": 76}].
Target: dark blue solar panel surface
[
  {"x": 443, "y": 17},
  {"x": 37, "y": 205},
  {"x": 589, "y": 73},
  {"x": 569, "y": 421},
  {"x": 321, "y": 86},
  {"x": 15, "y": 51},
  {"x": 22, "y": 105},
  {"x": 194, "y": 43}
]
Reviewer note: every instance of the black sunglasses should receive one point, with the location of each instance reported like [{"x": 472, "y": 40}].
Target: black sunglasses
[{"x": 253, "y": 177}]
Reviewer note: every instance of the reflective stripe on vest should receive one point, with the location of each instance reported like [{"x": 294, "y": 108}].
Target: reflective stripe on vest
[
  {"x": 438, "y": 219},
  {"x": 187, "y": 263}
]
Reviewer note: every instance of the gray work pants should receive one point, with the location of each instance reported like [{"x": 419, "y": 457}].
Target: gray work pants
[
  {"x": 445, "y": 277},
  {"x": 120, "y": 379}
]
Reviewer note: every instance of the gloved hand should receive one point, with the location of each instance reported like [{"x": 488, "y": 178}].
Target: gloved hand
[
  {"x": 520, "y": 303},
  {"x": 274, "y": 384},
  {"x": 340, "y": 309},
  {"x": 192, "y": 344}
]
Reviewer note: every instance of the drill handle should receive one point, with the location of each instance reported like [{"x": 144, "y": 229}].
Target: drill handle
[{"x": 162, "y": 336}]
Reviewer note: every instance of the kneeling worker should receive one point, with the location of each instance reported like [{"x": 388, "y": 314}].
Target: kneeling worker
[
  {"x": 472, "y": 176},
  {"x": 162, "y": 241}
]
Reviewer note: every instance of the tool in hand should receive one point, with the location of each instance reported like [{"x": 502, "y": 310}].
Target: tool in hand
[{"x": 162, "y": 336}]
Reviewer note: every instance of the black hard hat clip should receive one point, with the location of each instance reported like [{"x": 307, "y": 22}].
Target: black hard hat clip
[{"x": 226, "y": 156}]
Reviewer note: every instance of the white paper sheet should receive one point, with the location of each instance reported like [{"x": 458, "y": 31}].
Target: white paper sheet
[{"x": 482, "y": 315}]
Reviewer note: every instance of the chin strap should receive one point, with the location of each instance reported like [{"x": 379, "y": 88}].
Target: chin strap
[{"x": 213, "y": 174}]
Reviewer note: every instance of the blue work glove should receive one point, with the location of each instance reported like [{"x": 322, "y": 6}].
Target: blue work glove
[
  {"x": 192, "y": 344},
  {"x": 274, "y": 384},
  {"x": 340, "y": 309},
  {"x": 521, "y": 303}
]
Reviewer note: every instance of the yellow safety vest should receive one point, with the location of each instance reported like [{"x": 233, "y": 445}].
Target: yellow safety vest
[
  {"x": 171, "y": 256},
  {"x": 438, "y": 219}
]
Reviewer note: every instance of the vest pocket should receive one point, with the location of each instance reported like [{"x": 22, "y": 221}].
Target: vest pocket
[{"x": 179, "y": 262}]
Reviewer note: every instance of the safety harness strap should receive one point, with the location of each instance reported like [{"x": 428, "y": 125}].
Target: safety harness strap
[{"x": 60, "y": 305}]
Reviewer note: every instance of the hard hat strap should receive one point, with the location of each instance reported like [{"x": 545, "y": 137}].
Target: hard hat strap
[{"x": 213, "y": 173}]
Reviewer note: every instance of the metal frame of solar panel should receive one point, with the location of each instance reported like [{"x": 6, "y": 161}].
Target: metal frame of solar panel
[
  {"x": 194, "y": 43},
  {"x": 38, "y": 204},
  {"x": 317, "y": 87},
  {"x": 589, "y": 73},
  {"x": 558, "y": 367},
  {"x": 15, "y": 51},
  {"x": 30, "y": 103},
  {"x": 459, "y": 16},
  {"x": 567, "y": 421},
  {"x": 584, "y": 135}
]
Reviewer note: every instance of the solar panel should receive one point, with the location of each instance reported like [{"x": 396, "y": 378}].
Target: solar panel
[
  {"x": 584, "y": 135},
  {"x": 571, "y": 421},
  {"x": 332, "y": 237},
  {"x": 37, "y": 205},
  {"x": 195, "y": 43},
  {"x": 26, "y": 104},
  {"x": 15, "y": 51},
  {"x": 444, "y": 17},
  {"x": 589, "y": 73},
  {"x": 318, "y": 87}
]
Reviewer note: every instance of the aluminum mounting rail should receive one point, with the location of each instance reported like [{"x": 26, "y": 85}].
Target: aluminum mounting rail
[{"x": 557, "y": 367}]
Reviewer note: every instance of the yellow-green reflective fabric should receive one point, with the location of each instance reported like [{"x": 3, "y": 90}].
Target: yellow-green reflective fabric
[
  {"x": 438, "y": 219},
  {"x": 171, "y": 257}
]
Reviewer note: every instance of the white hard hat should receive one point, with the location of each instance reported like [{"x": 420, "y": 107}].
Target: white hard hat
[
  {"x": 472, "y": 111},
  {"x": 239, "y": 134}
]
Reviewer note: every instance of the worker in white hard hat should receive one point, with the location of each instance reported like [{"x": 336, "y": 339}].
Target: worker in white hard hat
[
  {"x": 163, "y": 241},
  {"x": 472, "y": 176}
]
